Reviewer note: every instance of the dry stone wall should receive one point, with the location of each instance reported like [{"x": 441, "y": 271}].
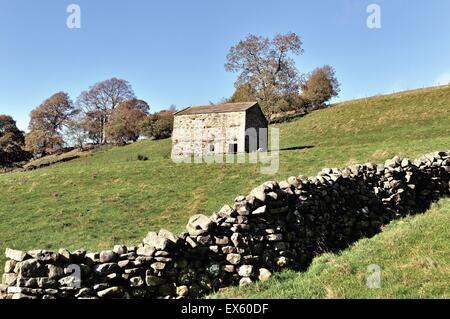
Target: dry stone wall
[{"x": 277, "y": 225}]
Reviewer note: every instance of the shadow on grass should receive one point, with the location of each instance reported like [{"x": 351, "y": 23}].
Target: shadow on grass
[{"x": 296, "y": 148}]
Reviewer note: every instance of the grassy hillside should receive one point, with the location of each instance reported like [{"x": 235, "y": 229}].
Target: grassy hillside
[
  {"x": 110, "y": 197},
  {"x": 413, "y": 255}
]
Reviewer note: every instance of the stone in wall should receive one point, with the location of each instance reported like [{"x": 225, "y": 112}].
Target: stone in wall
[{"x": 278, "y": 225}]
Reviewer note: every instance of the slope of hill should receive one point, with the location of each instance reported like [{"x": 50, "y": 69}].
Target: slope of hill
[
  {"x": 412, "y": 255},
  {"x": 111, "y": 197}
]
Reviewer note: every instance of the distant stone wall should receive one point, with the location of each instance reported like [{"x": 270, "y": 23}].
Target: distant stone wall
[{"x": 278, "y": 225}]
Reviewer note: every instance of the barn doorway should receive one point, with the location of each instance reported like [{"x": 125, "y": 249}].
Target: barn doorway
[{"x": 232, "y": 148}]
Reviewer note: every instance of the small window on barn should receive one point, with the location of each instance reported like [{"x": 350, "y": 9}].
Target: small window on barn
[
  {"x": 211, "y": 148},
  {"x": 232, "y": 148}
]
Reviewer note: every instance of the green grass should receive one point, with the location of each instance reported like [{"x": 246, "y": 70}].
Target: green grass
[
  {"x": 110, "y": 197},
  {"x": 413, "y": 255}
]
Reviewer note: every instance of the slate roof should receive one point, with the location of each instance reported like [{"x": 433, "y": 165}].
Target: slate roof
[{"x": 217, "y": 108}]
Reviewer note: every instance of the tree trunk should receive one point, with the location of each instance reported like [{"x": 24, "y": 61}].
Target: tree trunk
[{"x": 103, "y": 131}]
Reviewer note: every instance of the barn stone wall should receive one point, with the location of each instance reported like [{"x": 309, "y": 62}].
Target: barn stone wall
[
  {"x": 278, "y": 225},
  {"x": 218, "y": 129}
]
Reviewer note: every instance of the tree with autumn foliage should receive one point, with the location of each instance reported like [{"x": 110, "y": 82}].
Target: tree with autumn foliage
[
  {"x": 266, "y": 67},
  {"x": 99, "y": 102},
  {"x": 243, "y": 93},
  {"x": 46, "y": 124},
  {"x": 159, "y": 125},
  {"x": 12, "y": 142},
  {"x": 91, "y": 123},
  {"x": 125, "y": 123},
  {"x": 320, "y": 86}
]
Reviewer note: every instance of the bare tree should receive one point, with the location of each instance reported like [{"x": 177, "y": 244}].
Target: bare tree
[
  {"x": 266, "y": 66},
  {"x": 102, "y": 98}
]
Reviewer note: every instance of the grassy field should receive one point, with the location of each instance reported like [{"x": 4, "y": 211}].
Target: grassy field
[
  {"x": 55, "y": 158},
  {"x": 413, "y": 256},
  {"x": 110, "y": 197}
]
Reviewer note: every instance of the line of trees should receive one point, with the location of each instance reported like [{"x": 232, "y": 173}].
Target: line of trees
[
  {"x": 267, "y": 73},
  {"x": 101, "y": 100},
  {"x": 108, "y": 112}
]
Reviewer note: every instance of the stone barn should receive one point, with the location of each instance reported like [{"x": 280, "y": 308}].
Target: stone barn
[{"x": 219, "y": 129}]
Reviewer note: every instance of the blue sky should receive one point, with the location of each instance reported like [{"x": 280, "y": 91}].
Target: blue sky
[{"x": 173, "y": 52}]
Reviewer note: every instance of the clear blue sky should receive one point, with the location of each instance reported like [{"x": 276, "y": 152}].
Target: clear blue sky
[{"x": 173, "y": 52}]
